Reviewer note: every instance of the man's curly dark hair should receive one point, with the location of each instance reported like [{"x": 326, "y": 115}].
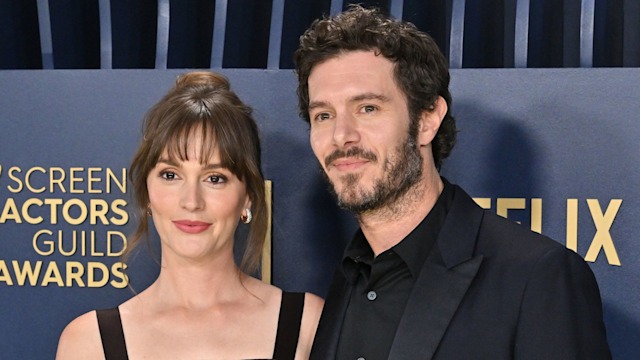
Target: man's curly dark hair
[{"x": 420, "y": 69}]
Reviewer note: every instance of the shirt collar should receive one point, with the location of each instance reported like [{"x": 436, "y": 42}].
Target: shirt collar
[
  {"x": 357, "y": 254},
  {"x": 413, "y": 249},
  {"x": 416, "y": 246}
]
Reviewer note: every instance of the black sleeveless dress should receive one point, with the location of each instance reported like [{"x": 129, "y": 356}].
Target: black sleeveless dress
[{"x": 289, "y": 321}]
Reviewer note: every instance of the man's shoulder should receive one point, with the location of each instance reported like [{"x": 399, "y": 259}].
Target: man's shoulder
[
  {"x": 496, "y": 233},
  {"x": 506, "y": 240}
]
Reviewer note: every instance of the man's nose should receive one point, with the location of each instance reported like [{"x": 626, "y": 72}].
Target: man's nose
[{"x": 345, "y": 131}]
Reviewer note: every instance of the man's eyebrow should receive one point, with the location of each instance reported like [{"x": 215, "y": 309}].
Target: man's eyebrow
[
  {"x": 317, "y": 104},
  {"x": 356, "y": 98},
  {"x": 370, "y": 96}
]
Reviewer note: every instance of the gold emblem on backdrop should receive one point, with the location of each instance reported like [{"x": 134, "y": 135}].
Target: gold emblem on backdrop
[{"x": 266, "y": 249}]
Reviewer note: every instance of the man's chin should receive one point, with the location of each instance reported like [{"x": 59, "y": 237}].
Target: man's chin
[
  {"x": 349, "y": 194},
  {"x": 351, "y": 200}
]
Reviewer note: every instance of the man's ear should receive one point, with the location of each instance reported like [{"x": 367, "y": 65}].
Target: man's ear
[{"x": 430, "y": 121}]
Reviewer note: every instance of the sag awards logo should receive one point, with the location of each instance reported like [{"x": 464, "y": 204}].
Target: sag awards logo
[{"x": 32, "y": 198}]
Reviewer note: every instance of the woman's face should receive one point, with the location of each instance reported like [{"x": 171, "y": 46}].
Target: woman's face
[{"x": 196, "y": 205}]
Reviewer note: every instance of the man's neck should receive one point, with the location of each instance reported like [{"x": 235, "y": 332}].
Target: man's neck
[{"x": 386, "y": 227}]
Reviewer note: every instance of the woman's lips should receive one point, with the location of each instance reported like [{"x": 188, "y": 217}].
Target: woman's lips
[{"x": 191, "y": 227}]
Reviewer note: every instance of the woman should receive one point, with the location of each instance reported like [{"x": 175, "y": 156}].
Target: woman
[{"x": 197, "y": 174}]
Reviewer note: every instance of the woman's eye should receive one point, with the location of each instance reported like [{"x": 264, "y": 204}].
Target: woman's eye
[
  {"x": 216, "y": 179},
  {"x": 168, "y": 175}
]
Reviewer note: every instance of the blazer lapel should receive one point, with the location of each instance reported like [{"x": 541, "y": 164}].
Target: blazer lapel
[
  {"x": 442, "y": 283},
  {"x": 325, "y": 344},
  {"x": 434, "y": 301}
]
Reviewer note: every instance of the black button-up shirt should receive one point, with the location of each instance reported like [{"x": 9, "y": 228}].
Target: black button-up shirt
[{"x": 382, "y": 285}]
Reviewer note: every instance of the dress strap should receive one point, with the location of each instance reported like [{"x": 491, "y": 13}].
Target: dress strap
[
  {"x": 112, "y": 334},
  {"x": 288, "y": 325}
]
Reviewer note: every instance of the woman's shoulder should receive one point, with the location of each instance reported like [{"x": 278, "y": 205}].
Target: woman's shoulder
[
  {"x": 310, "y": 316},
  {"x": 312, "y": 308},
  {"x": 80, "y": 339},
  {"x": 314, "y": 301}
]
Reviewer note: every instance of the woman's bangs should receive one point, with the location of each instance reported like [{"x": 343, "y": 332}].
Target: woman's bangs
[{"x": 180, "y": 135}]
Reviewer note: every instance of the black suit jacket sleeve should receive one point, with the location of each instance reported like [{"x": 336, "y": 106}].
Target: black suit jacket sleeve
[{"x": 561, "y": 311}]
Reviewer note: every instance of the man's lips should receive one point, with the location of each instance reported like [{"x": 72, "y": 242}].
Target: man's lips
[
  {"x": 350, "y": 159},
  {"x": 191, "y": 227},
  {"x": 346, "y": 164}
]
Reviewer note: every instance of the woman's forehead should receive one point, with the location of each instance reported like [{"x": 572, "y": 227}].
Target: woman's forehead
[
  {"x": 192, "y": 150},
  {"x": 195, "y": 143}
]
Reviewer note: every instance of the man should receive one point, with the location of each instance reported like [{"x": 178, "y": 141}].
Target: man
[{"x": 429, "y": 275}]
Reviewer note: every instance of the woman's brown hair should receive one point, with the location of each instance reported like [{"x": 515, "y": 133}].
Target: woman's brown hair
[{"x": 202, "y": 104}]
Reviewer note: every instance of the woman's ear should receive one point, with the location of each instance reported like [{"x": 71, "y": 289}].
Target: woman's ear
[
  {"x": 247, "y": 202},
  {"x": 430, "y": 121}
]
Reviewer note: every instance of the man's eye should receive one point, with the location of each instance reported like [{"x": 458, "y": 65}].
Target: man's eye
[
  {"x": 368, "y": 108},
  {"x": 322, "y": 116}
]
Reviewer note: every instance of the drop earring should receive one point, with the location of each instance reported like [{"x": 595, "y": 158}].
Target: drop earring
[{"x": 246, "y": 218}]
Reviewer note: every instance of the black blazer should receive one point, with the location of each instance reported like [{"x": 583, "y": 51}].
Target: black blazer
[{"x": 490, "y": 289}]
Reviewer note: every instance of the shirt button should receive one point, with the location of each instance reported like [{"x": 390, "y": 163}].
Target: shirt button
[
  {"x": 361, "y": 358},
  {"x": 371, "y": 295}
]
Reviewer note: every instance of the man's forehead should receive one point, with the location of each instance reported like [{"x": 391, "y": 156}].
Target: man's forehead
[{"x": 352, "y": 77}]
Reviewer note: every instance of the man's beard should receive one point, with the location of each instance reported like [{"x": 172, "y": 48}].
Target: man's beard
[{"x": 401, "y": 171}]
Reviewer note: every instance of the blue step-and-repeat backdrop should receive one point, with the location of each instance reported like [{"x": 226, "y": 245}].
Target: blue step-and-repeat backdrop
[{"x": 557, "y": 150}]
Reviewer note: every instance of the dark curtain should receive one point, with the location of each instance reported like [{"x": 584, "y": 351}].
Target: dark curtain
[{"x": 553, "y": 40}]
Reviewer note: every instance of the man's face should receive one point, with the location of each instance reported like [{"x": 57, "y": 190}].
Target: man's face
[{"x": 360, "y": 130}]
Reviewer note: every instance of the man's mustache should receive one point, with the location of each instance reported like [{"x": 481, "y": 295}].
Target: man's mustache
[{"x": 352, "y": 152}]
